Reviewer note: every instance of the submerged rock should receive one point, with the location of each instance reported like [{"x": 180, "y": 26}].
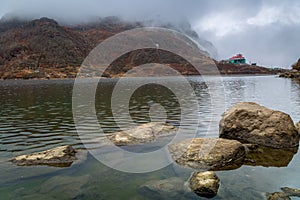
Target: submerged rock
[
  {"x": 251, "y": 123},
  {"x": 268, "y": 157},
  {"x": 62, "y": 156},
  {"x": 64, "y": 187},
  {"x": 209, "y": 154},
  {"x": 205, "y": 184},
  {"x": 144, "y": 133},
  {"x": 172, "y": 188}
]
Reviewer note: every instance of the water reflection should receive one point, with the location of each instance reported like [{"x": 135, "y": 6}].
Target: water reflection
[
  {"x": 295, "y": 91},
  {"x": 35, "y": 115},
  {"x": 269, "y": 157}
]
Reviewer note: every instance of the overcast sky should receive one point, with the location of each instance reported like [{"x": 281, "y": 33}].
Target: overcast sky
[{"x": 265, "y": 31}]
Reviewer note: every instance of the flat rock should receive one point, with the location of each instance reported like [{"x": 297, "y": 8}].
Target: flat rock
[
  {"x": 251, "y": 123},
  {"x": 208, "y": 154},
  {"x": 144, "y": 133},
  {"x": 205, "y": 184},
  {"x": 62, "y": 156}
]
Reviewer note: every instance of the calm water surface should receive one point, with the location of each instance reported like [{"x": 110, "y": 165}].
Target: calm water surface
[{"x": 37, "y": 115}]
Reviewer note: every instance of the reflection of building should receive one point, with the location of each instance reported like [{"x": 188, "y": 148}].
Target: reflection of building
[{"x": 237, "y": 59}]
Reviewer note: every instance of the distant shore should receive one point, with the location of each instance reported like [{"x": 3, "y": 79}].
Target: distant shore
[{"x": 115, "y": 78}]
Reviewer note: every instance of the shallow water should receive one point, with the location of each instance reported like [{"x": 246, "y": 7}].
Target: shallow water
[{"x": 37, "y": 115}]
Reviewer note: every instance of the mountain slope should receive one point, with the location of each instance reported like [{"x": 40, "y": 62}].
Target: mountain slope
[
  {"x": 40, "y": 45},
  {"x": 44, "y": 49}
]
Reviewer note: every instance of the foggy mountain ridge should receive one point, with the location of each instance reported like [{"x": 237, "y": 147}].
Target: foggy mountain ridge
[
  {"x": 42, "y": 48},
  {"x": 106, "y": 22},
  {"x": 265, "y": 31}
]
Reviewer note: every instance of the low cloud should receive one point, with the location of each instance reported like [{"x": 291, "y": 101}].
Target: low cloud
[{"x": 266, "y": 31}]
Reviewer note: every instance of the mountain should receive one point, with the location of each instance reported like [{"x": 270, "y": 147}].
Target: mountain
[{"x": 42, "y": 48}]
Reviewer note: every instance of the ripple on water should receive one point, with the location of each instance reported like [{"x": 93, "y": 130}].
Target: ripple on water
[{"x": 37, "y": 116}]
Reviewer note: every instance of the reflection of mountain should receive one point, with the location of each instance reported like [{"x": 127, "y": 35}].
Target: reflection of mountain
[{"x": 42, "y": 48}]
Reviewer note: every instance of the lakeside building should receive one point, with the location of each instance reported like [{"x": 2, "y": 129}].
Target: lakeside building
[{"x": 237, "y": 59}]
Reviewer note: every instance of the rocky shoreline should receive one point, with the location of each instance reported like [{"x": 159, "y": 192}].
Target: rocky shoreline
[
  {"x": 294, "y": 73},
  {"x": 239, "y": 70},
  {"x": 112, "y": 78},
  {"x": 250, "y": 134},
  {"x": 290, "y": 74}
]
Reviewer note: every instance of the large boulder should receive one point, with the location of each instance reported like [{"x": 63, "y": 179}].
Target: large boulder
[
  {"x": 62, "y": 156},
  {"x": 205, "y": 184},
  {"x": 251, "y": 123},
  {"x": 208, "y": 154}
]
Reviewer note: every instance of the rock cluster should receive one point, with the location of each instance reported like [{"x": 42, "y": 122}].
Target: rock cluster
[
  {"x": 249, "y": 134},
  {"x": 270, "y": 139},
  {"x": 294, "y": 73},
  {"x": 290, "y": 74}
]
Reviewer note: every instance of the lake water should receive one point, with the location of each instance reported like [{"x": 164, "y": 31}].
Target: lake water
[{"x": 37, "y": 115}]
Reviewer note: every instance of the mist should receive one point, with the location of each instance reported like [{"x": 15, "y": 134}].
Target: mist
[{"x": 265, "y": 31}]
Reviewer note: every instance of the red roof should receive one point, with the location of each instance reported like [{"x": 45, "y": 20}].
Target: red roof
[{"x": 237, "y": 56}]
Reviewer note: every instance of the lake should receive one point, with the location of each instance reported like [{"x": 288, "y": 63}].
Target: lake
[{"x": 37, "y": 115}]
